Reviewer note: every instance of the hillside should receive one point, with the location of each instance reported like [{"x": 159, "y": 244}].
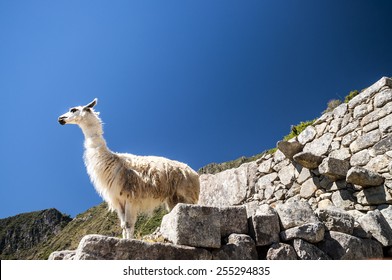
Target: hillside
[
  {"x": 21, "y": 234},
  {"x": 35, "y": 235}
]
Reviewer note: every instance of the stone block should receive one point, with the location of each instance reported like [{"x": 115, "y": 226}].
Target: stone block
[
  {"x": 364, "y": 177},
  {"x": 337, "y": 220},
  {"x": 375, "y": 223},
  {"x": 385, "y": 124},
  {"x": 360, "y": 158},
  {"x": 99, "y": 247},
  {"x": 229, "y": 187},
  {"x": 365, "y": 141},
  {"x": 382, "y": 146},
  {"x": 287, "y": 174},
  {"x": 234, "y": 219},
  {"x": 238, "y": 247},
  {"x": 307, "y": 135},
  {"x": 382, "y": 98},
  {"x": 308, "y": 159},
  {"x": 193, "y": 225},
  {"x": 289, "y": 148},
  {"x": 295, "y": 213},
  {"x": 342, "y": 246},
  {"x": 313, "y": 232},
  {"x": 374, "y": 196},
  {"x": 320, "y": 146},
  {"x": 281, "y": 251},
  {"x": 343, "y": 199},
  {"x": 309, "y": 187},
  {"x": 333, "y": 168},
  {"x": 308, "y": 251},
  {"x": 263, "y": 224}
]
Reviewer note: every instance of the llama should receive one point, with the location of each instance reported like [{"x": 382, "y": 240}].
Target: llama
[{"x": 130, "y": 184}]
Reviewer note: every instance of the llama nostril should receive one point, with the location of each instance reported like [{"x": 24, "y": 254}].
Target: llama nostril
[{"x": 61, "y": 121}]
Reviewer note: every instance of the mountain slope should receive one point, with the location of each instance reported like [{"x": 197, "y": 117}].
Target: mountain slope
[{"x": 20, "y": 234}]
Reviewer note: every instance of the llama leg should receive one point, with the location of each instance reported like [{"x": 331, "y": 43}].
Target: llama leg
[
  {"x": 130, "y": 220},
  {"x": 121, "y": 216}
]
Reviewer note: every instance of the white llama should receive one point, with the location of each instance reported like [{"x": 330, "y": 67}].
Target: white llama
[{"x": 130, "y": 184}]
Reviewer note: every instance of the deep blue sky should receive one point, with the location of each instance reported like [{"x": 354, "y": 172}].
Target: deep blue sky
[{"x": 196, "y": 81}]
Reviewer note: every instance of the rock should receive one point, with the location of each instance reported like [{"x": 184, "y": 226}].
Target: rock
[
  {"x": 360, "y": 111},
  {"x": 375, "y": 223},
  {"x": 342, "y": 154},
  {"x": 234, "y": 219},
  {"x": 378, "y": 164},
  {"x": 62, "y": 255},
  {"x": 365, "y": 141},
  {"x": 281, "y": 251},
  {"x": 343, "y": 199},
  {"x": 308, "y": 251},
  {"x": 337, "y": 220},
  {"x": 382, "y": 146},
  {"x": 308, "y": 187},
  {"x": 340, "y": 111},
  {"x": 307, "y": 135},
  {"x": 287, "y": 174},
  {"x": 364, "y": 177},
  {"x": 303, "y": 175},
  {"x": 320, "y": 146},
  {"x": 99, "y": 247},
  {"x": 385, "y": 124},
  {"x": 333, "y": 168},
  {"x": 238, "y": 247},
  {"x": 342, "y": 246},
  {"x": 374, "y": 196},
  {"x": 387, "y": 213},
  {"x": 348, "y": 139},
  {"x": 325, "y": 203},
  {"x": 382, "y": 98},
  {"x": 265, "y": 166},
  {"x": 229, "y": 187},
  {"x": 289, "y": 149},
  {"x": 295, "y": 213},
  {"x": 313, "y": 232},
  {"x": 308, "y": 159},
  {"x": 350, "y": 127},
  {"x": 360, "y": 158},
  {"x": 266, "y": 180},
  {"x": 193, "y": 225},
  {"x": 263, "y": 224}
]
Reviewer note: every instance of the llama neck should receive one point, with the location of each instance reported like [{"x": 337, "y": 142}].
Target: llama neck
[{"x": 93, "y": 137}]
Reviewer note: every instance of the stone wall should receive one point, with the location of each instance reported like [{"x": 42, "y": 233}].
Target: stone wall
[{"x": 327, "y": 194}]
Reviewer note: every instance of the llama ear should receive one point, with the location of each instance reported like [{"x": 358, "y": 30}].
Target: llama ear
[{"x": 92, "y": 103}]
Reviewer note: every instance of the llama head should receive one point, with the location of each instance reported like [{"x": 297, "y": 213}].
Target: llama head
[{"x": 80, "y": 114}]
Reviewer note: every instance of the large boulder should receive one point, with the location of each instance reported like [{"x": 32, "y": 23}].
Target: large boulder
[
  {"x": 364, "y": 177},
  {"x": 336, "y": 219},
  {"x": 193, "y": 225},
  {"x": 229, "y": 187},
  {"x": 99, "y": 247},
  {"x": 295, "y": 213},
  {"x": 342, "y": 246},
  {"x": 375, "y": 223}
]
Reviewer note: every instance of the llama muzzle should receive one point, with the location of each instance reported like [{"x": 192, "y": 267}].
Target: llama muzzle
[{"x": 62, "y": 121}]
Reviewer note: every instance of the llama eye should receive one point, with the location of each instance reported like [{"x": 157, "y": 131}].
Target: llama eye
[{"x": 73, "y": 110}]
